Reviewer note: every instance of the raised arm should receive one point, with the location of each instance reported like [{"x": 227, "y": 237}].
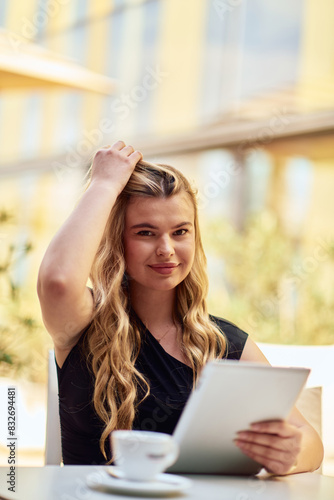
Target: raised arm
[{"x": 66, "y": 302}]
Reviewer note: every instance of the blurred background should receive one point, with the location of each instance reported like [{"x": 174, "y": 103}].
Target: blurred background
[{"x": 238, "y": 94}]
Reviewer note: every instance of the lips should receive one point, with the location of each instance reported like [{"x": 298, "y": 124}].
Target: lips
[
  {"x": 163, "y": 265},
  {"x": 164, "y": 268}
]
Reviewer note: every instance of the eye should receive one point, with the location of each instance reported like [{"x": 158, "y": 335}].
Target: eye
[
  {"x": 144, "y": 233},
  {"x": 181, "y": 232}
]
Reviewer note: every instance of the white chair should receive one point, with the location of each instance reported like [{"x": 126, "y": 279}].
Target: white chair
[
  {"x": 310, "y": 400},
  {"x": 53, "y": 438},
  {"x": 317, "y": 400}
]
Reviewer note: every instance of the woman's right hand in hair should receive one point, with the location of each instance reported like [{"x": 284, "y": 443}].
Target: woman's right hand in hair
[
  {"x": 113, "y": 165},
  {"x": 66, "y": 302}
]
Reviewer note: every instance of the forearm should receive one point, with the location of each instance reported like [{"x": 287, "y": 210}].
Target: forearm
[
  {"x": 311, "y": 453},
  {"x": 69, "y": 257}
]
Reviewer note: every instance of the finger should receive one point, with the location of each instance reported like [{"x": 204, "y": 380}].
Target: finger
[
  {"x": 128, "y": 150},
  {"x": 118, "y": 145},
  {"x": 275, "y": 441},
  {"x": 272, "y": 465},
  {"x": 279, "y": 427},
  {"x": 273, "y": 460},
  {"x": 261, "y": 439},
  {"x": 281, "y": 454},
  {"x": 136, "y": 156}
]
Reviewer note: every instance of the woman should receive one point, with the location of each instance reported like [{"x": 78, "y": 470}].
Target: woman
[{"x": 129, "y": 349}]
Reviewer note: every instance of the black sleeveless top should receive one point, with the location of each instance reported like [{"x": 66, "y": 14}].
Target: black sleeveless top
[{"x": 170, "y": 386}]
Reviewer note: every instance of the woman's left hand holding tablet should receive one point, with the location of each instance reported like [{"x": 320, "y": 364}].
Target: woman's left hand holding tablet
[{"x": 274, "y": 444}]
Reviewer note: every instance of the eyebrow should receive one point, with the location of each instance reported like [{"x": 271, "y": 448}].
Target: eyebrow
[{"x": 150, "y": 226}]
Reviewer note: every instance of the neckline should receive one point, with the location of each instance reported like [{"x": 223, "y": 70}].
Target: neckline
[
  {"x": 145, "y": 329},
  {"x": 164, "y": 350}
]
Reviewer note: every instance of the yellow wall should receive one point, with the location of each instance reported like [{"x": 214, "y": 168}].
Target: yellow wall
[
  {"x": 180, "y": 51},
  {"x": 13, "y": 107},
  {"x": 317, "y": 53},
  {"x": 179, "y": 55},
  {"x": 96, "y": 54},
  {"x": 20, "y": 17},
  {"x": 320, "y": 217},
  {"x": 130, "y": 68}
]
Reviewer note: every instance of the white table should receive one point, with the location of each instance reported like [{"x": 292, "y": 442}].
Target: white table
[{"x": 69, "y": 483}]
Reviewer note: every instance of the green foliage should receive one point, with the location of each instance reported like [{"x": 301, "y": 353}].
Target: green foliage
[
  {"x": 275, "y": 287},
  {"x": 5, "y": 358},
  {"x": 21, "y": 336}
]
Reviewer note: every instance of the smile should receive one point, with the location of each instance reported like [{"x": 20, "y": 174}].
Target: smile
[{"x": 165, "y": 268}]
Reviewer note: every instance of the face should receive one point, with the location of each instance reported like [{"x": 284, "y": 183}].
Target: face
[{"x": 159, "y": 241}]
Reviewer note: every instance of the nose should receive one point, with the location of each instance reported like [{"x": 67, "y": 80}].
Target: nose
[{"x": 165, "y": 247}]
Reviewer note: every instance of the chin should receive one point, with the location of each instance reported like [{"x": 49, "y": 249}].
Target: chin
[{"x": 163, "y": 286}]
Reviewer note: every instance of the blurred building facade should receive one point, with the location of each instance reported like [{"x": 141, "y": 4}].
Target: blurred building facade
[{"x": 237, "y": 93}]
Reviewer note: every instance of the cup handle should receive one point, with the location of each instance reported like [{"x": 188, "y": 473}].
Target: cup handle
[{"x": 173, "y": 454}]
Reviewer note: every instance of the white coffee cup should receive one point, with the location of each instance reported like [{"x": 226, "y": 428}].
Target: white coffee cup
[{"x": 142, "y": 455}]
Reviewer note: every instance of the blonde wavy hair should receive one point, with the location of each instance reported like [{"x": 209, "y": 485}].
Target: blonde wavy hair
[{"x": 113, "y": 339}]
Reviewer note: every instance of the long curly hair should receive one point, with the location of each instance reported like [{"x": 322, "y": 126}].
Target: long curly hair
[{"x": 113, "y": 338}]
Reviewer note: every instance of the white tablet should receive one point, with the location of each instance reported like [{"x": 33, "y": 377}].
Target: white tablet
[{"x": 229, "y": 397}]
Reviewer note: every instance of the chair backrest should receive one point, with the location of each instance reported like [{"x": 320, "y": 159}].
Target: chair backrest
[
  {"x": 309, "y": 404},
  {"x": 53, "y": 437},
  {"x": 320, "y": 358},
  {"x": 310, "y": 400},
  {"x": 320, "y": 384}
]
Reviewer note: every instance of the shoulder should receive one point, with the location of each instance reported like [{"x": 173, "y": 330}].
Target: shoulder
[
  {"x": 235, "y": 337},
  {"x": 231, "y": 330}
]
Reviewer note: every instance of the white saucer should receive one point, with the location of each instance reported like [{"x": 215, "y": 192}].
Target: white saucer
[{"x": 164, "y": 484}]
